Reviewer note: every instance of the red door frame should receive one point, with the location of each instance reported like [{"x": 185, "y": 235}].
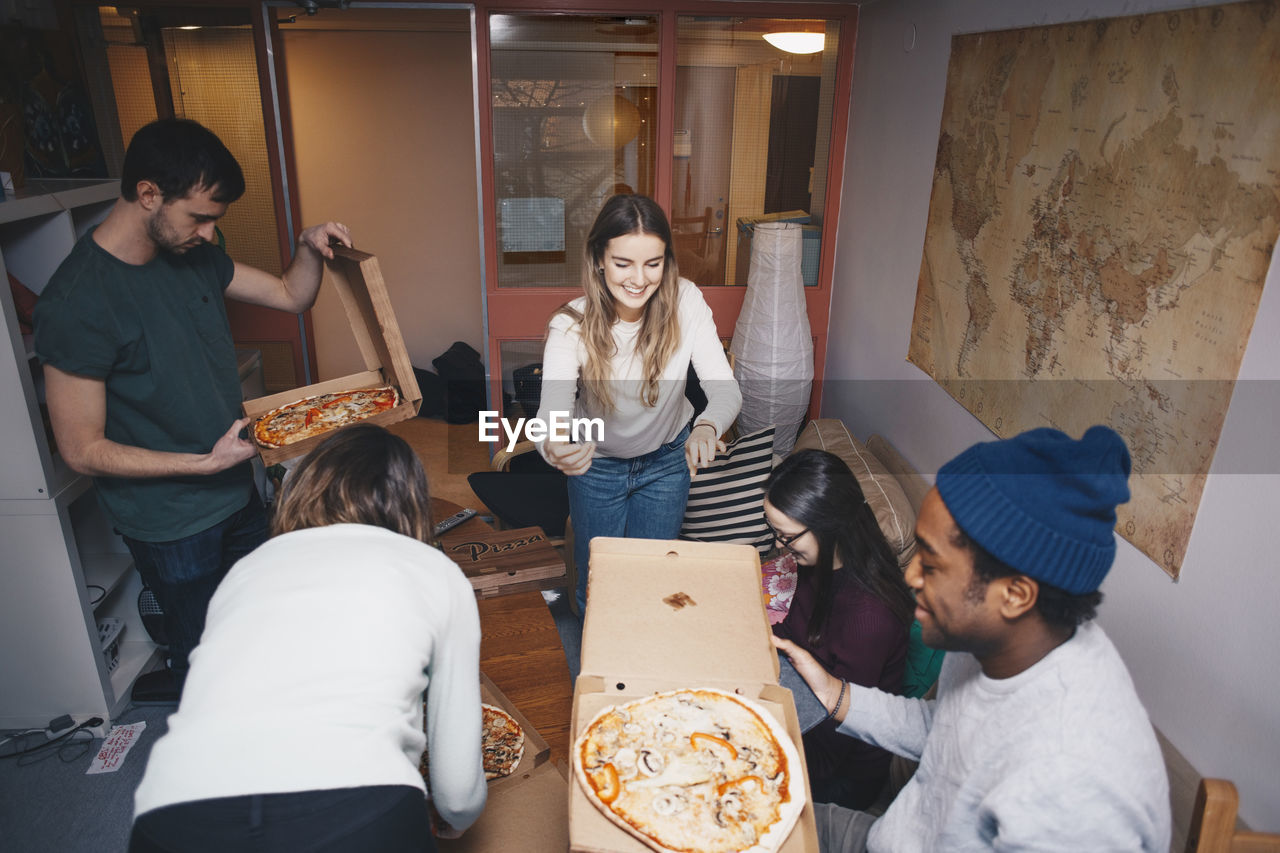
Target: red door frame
[{"x": 521, "y": 314}]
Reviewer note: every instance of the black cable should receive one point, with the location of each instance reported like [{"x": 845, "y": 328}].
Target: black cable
[
  {"x": 68, "y": 752},
  {"x": 87, "y": 724},
  {"x": 97, "y": 600}
]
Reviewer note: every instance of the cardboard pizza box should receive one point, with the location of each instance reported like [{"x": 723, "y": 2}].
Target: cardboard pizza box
[
  {"x": 356, "y": 277},
  {"x": 527, "y": 815},
  {"x": 663, "y": 615},
  {"x": 536, "y": 750},
  {"x": 500, "y": 562}
]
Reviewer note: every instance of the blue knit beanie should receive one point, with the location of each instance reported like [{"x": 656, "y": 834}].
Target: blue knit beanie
[{"x": 1042, "y": 503}]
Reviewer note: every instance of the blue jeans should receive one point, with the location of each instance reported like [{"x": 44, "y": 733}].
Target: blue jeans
[
  {"x": 841, "y": 830},
  {"x": 184, "y": 573},
  {"x": 642, "y": 497}
]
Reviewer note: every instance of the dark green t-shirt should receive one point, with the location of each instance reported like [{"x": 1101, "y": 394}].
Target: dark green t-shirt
[{"x": 158, "y": 335}]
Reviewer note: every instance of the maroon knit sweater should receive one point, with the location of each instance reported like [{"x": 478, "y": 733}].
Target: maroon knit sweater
[{"x": 863, "y": 643}]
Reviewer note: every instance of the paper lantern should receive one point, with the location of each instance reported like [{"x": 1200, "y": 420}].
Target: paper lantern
[
  {"x": 611, "y": 120},
  {"x": 772, "y": 345}
]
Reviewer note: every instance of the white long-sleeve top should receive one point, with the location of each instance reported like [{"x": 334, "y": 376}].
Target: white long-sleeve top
[
  {"x": 310, "y": 672},
  {"x": 1061, "y": 757},
  {"x": 632, "y": 428}
]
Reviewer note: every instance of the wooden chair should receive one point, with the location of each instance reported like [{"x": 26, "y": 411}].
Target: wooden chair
[
  {"x": 691, "y": 232},
  {"x": 691, "y": 241},
  {"x": 1213, "y": 823}
]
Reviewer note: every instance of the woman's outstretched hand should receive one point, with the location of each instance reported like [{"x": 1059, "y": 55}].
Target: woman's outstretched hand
[
  {"x": 572, "y": 459},
  {"x": 701, "y": 447}
]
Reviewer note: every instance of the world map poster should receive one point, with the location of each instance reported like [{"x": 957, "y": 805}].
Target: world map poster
[{"x": 1106, "y": 198}]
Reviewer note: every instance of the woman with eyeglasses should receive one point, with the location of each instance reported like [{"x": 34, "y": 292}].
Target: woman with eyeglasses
[{"x": 851, "y": 610}]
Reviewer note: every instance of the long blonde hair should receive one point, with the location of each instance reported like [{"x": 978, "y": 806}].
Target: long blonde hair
[
  {"x": 362, "y": 474},
  {"x": 659, "y": 325}
]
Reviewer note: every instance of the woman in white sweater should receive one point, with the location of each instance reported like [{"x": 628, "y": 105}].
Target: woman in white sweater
[
  {"x": 621, "y": 354},
  {"x": 300, "y": 726}
]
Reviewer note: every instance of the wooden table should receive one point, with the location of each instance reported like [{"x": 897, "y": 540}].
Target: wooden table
[{"x": 520, "y": 650}]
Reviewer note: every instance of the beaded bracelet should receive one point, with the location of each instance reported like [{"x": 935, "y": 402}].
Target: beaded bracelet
[{"x": 844, "y": 685}]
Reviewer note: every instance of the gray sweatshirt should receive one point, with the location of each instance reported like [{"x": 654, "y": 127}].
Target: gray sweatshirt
[{"x": 1059, "y": 757}]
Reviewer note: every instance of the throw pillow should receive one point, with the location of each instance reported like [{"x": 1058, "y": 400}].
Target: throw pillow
[
  {"x": 882, "y": 490},
  {"x": 778, "y": 577},
  {"x": 726, "y": 499}
]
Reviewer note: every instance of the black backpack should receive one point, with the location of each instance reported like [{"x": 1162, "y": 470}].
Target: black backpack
[{"x": 462, "y": 373}]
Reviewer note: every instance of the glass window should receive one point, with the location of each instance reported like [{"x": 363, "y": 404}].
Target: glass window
[
  {"x": 752, "y": 139},
  {"x": 521, "y": 371},
  {"x": 574, "y": 117}
]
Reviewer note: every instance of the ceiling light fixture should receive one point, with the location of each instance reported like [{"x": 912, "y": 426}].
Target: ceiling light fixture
[{"x": 793, "y": 42}]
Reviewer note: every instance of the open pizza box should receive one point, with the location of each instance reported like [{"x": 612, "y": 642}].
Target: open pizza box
[
  {"x": 356, "y": 277},
  {"x": 536, "y": 750},
  {"x": 663, "y": 615},
  {"x": 525, "y": 810}
]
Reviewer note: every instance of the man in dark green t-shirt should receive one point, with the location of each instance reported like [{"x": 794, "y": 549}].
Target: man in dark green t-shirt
[{"x": 141, "y": 376}]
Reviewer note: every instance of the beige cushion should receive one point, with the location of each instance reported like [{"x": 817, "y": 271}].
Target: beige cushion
[{"x": 883, "y": 491}]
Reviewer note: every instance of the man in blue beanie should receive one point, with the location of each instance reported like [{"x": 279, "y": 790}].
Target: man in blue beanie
[{"x": 1036, "y": 740}]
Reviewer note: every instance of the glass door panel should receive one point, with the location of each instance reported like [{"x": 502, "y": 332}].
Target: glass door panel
[
  {"x": 574, "y": 114},
  {"x": 521, "y": 371},
  {"x": 752, "y": 136}
]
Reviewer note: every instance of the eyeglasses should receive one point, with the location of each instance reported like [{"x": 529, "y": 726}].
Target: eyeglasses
[{"x": 785, "y": 541}]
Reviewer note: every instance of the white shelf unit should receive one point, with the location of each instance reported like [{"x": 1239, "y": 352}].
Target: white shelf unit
[{"x": 64, "y": 568}]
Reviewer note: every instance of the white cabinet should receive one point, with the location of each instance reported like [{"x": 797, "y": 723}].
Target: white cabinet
[{"x": 62, "y": 569}]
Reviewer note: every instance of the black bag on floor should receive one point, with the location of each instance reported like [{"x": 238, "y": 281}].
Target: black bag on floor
[
  {"x": 432, "y": 388},
  {"x": 462, "y": 372}
]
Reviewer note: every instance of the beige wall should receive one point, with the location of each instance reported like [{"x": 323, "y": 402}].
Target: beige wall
[{"x": 385, "y": 143}]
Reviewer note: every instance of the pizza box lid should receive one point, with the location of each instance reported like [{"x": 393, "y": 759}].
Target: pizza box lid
[
  {"x": 357, "y": 279},
  {"x": 677, "y": 613}
]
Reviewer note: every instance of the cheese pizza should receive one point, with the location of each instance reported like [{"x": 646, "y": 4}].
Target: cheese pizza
[
  {"x": 320, "y": 414},
  {"x": 692, "y": 770}
]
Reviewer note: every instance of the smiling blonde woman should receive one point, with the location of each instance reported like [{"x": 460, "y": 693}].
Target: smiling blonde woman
[{"x": 621, "y": 352}]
